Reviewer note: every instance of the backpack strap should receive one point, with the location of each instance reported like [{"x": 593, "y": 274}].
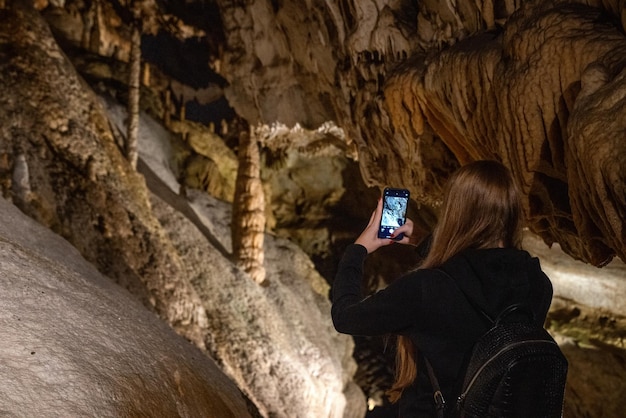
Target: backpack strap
[
  {"x": 515, "y": 309},
  {"x": 440, "y": 402}
]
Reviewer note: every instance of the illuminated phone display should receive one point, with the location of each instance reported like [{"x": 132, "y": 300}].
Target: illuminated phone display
[{"x": 395, "y": 202}]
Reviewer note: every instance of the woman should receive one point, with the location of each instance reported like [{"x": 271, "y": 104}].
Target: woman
[{"x": 476, "y": 245}]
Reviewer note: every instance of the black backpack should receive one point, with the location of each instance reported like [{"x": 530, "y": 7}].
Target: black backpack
[{"x": 516, "y": 369}]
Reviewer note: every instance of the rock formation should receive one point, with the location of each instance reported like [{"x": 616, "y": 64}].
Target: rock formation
[
  {"x": 63, "y": 143},
  {"x": 420, "y": 90},
  {"x": 75, "y": 344},
  {"x": 63, "y": 165},
  {"x": 346, "y": 97},
  {"x": 517, "y": 95}
]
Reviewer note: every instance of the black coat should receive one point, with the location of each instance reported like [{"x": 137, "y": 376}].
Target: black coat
[{"x": 428, "y": 306}]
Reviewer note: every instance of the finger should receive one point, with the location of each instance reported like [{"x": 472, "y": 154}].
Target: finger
[
  {"x": 406, "y": 229},
  {"x": 401, "y": 230}
]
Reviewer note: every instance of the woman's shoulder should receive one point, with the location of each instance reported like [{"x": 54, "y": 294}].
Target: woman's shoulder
[
  {"x": 424, "y": 278},
  {"x": 494, "y": 264},
  {"x": 482, "y": 256}
]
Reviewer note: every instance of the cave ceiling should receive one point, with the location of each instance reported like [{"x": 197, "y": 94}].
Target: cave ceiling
[{"x": 417, "y": 88}]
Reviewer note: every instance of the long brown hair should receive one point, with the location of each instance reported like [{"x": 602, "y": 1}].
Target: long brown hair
[{"x": 481, "y": 209}]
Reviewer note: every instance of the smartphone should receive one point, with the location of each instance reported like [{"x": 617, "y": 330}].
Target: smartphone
[{"x": 395, "y": 202}]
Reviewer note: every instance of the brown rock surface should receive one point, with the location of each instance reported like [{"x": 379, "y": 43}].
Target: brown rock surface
[
  {"x": 420, "y": 89},
  {"x": 515, "y": 97},
  {"x": 466, "y": 82}
]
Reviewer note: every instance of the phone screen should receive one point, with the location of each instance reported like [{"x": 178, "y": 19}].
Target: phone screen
[{"x": 395, "y": 202}]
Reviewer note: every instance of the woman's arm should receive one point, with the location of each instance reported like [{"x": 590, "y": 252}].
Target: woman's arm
[{"x": 391, "y": 310}]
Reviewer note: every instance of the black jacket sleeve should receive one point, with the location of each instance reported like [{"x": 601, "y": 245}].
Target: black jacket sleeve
[{"x": 391, "y": 310}]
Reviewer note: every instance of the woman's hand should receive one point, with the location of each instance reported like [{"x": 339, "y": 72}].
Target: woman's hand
[{"x": 369, "y": 237}]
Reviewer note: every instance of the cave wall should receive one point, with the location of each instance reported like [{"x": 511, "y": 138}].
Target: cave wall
[
  {"x": 516, "y": 96},
  {"x": 417, "y": 90},
  {"x": 422, "y": 89},
  {"x": 414, "y": 90},
  {"x": 62, "y": 164},
  {"x": 56, "y": 145}
]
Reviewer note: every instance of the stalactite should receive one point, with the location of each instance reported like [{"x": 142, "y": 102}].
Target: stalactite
[
  {"x": 21, "y": 179},
  {"x": 248, "y": 218},
  {"x": 146, "y": 75},
  {"x": 133, "y": 96}
]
